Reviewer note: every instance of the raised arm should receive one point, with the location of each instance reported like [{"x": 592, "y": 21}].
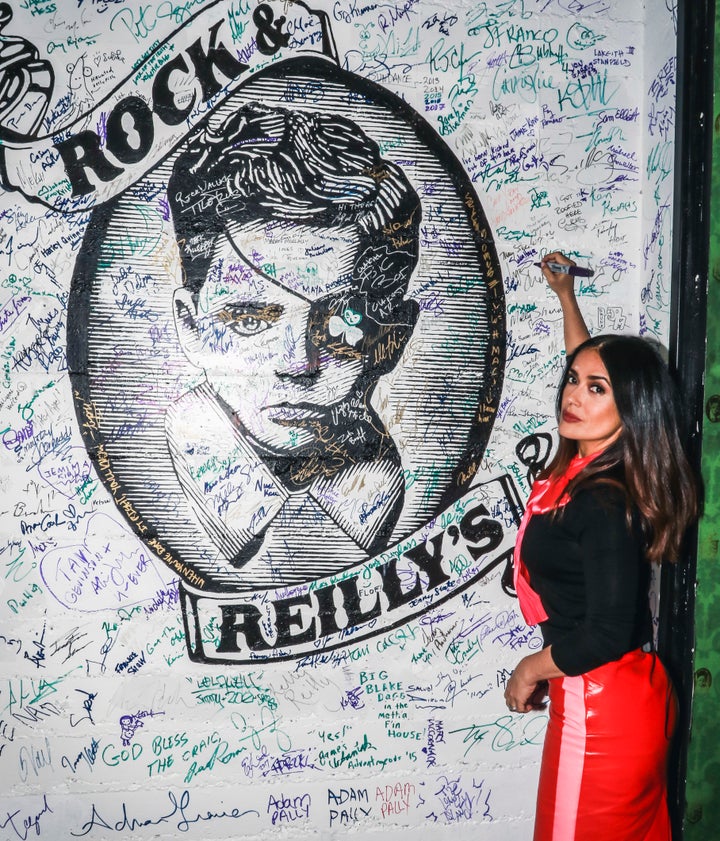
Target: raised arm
[{"x": 563, "y": 285}]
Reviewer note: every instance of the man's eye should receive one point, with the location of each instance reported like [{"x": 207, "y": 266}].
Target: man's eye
[
  {"x": 249, "y": 319},
  {"x": 246, "y": 325}
]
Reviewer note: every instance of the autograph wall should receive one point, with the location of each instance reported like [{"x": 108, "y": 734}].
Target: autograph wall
[{"x": 277, "y": 371}]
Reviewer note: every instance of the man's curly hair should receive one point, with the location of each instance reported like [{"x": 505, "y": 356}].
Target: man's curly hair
[{"x": 311, "y": 168}]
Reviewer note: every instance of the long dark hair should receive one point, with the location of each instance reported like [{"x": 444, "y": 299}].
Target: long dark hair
[{"x": 649, "y": 457}]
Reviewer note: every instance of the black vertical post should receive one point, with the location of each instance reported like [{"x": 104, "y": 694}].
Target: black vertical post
[{"x": 691, "y": 236}]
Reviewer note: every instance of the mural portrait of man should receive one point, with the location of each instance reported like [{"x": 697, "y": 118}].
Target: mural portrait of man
[
  {"x": 297, "y": 241},
  {"x": 325, "y": 356}
]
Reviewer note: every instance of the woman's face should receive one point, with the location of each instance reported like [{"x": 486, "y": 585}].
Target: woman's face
[{"x": 588, "y": 412}]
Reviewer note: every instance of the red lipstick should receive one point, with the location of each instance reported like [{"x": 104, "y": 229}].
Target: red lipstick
[{"x": 568, "y": 417}]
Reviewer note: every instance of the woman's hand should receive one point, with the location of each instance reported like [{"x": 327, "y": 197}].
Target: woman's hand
[
  {"x": 575, "y": 330},
  {"x": 527, "y": 687},
  {"x": 562, "y": 285},
  {"x": 522, "y": 693}
]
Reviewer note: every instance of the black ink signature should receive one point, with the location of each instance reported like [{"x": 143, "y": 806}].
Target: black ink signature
[
  {"x": 28, "y": 823},
  {"x": 177, "y": 812},
  {"x": 70, "y": 643},
  {"x": 87, "y": 706}
]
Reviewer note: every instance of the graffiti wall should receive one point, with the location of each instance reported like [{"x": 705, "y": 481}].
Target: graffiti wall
[{"x": 278, "y": 369}]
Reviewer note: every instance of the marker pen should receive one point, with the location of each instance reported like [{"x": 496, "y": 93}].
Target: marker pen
[{"x": 559, "y": 268}]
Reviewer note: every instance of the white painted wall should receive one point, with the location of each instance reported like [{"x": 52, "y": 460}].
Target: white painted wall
[{"x": 561, "y": 113}]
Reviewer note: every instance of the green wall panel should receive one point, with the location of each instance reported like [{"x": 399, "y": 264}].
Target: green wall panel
[{"x": 702, "y": 818}]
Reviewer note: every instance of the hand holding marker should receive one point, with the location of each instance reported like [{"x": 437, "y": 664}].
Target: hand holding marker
[{"x": 562, "y": 268}]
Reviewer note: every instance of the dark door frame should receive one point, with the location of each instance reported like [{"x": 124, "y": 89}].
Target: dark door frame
[{"x": 690, "y": 262}]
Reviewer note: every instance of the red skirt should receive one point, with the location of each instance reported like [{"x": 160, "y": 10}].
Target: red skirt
[{"x": 604, "y": 763}]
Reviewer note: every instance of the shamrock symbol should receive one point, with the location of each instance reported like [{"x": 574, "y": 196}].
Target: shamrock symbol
[{"x": 346, "y": 326}]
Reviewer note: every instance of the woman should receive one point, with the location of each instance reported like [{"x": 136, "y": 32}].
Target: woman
[{"x": 618, "y": 494}]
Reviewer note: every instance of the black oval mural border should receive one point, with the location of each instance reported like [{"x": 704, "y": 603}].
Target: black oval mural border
[{"x": 478, "y": 228}]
